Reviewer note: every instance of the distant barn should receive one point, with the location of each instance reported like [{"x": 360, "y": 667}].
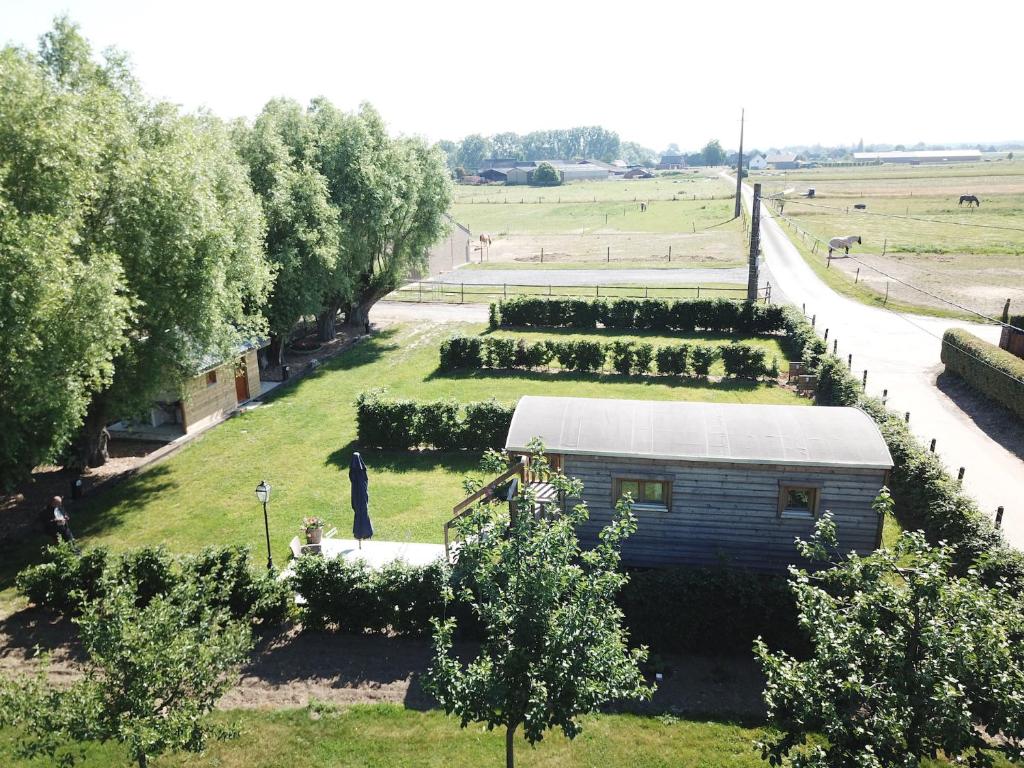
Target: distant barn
[
  {"x": 786, "y": 161},
  {"x": 714, "y": 483},
  {"x": 920, "y": 156}
]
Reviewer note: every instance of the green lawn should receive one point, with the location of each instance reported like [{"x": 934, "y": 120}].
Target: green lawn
[
  {"x": 389, "y": 736},
  {"x": 301, "y": 441}
]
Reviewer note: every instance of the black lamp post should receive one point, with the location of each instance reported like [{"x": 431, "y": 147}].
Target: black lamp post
[{"x": 263, "y": 494}]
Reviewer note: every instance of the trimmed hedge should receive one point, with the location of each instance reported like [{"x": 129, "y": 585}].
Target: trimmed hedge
[
  {"x": 383, "y": 422},
  {"x": 710, "y": 610},
  {"x": 66, "y": 579},
  {"x": 992, "y": 371},
  {"x": 352, "y": 597},
  {"x": 626, "y": 357},
  {"x": 685, "y": 315}
]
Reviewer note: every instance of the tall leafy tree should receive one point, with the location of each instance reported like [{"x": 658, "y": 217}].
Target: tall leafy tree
[
  {"x": 553, "y": 646},
  {"x": 392, "y": 196},
  {"x": 64, "y": 130},
  {"x": 473, "y": 151},
  {"x": 303, "y": 236},
  {"x": 713, "y": 154},
  {"x": 910, "y": 658}
]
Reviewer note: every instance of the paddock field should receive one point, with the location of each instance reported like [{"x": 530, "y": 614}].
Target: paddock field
[
  {"x": 691, "y": 213},
  {"x": 914, "y": 230}
]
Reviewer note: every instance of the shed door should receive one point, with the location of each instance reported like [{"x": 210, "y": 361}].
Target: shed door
[{"x": 241, "y": 382}]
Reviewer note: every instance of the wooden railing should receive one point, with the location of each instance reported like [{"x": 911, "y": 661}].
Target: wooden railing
[{"x": 520, "y": 471}]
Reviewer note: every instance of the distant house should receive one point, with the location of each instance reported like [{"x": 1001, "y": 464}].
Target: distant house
[
  {"x": 638, "y": 173},
  {"x": 787, "y": 161},
  {"x": 757, "y": 163},
  {"x": 713, "y": 483},
  {"x": 518, "y": 175},
  {"x": 568, "y": 170},
  {"x": 672, "y": 163},
  {"x": 494, "y": 174},
  {"x": 920, "y": 156}
]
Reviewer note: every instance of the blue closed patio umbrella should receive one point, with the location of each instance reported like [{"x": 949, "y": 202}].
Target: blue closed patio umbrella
[{"x": 362, "y": 528}]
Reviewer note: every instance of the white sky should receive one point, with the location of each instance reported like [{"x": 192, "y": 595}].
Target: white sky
[{"x": 826, "y": 71}]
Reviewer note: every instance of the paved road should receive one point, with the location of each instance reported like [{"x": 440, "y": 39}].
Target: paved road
[
  {"x": 901, "y": 354},
  {"x": 594, "y": 276}
]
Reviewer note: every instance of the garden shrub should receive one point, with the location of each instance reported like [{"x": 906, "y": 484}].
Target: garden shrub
[
  {"x": 673, "y": 360},
  {"x": 836, "y": 385},
  {"x": 460, "y": 352},
  {"x": 499, "y": 353},
  {"x": 653, "y": 315},
  {"x": 493, "y": 316},
  {"x": 532, "y": 355},
  {"x": 587, "y": 356},
  {"x": 683, "y": 316},
  {"x": 743, "y": 360},
  {"x": 622, "y": 356},
  {"x": 642, "y": 356},
  {"x": 486, "y": 424},
  {"x": 992, "y": 371},
  {"x": 620, "y": 313},
  {"x": 64, "y": 577},
  {"x": 149, "y": 569},
  {"x": 236, "y": 585},
  {"x": 352, "y": 597},
  {"x": 709, "y": 610},
  {"x": 437, "y": 424},
  {"x": 702, "y": 357},
  {"x": 581, "y": 313},
  {"x": 385, "y": 423}
]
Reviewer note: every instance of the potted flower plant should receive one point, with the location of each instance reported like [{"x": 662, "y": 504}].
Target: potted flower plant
[{"x": 314, "y": 527}]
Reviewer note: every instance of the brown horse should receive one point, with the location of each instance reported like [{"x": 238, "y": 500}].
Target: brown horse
[
  {"x": 969, "y": 199},
  {"x": 485, "y": 239}
]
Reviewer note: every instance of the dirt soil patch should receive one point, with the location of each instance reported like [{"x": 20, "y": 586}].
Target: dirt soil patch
[{"x": 293, "y": 668}]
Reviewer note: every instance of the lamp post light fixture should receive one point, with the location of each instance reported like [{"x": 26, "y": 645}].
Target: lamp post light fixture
[{"x": 263, "y": 494}]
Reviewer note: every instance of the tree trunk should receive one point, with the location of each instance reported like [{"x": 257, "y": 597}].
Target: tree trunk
[
  {"x": 510, "y": 760},
  {"x": 325, "y": 323},
  {"x": 275, "y": 352},
  {"x": 90, "y": 449},
  {"x": 143, "y": 760},
  {"x": 359, "y": 311}
]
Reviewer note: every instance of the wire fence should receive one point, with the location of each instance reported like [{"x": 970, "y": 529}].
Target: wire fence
[
  {"x": 429, "y": 291},
  {"x": 507, "y": 199}
]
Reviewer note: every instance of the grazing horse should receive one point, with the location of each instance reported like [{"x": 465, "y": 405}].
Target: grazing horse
[
  {"x": 485, "y": 239},
  {"x": 969, "y": 199},
  {"x": 643, "y": 207},
  {"x": 860, "y": 206},
  {"x": 842, "y": 242}
]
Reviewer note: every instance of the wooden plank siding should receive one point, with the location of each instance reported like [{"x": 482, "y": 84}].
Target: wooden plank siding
[{"x": 727, "y": 513}]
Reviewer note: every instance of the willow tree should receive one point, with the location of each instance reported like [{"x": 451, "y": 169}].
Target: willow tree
[
  {"x": 64, "y": 130},
  {"x": 391, "y": 195},
  {"x": 303, "y": 236},
  {"x": 174, "y": 216}
]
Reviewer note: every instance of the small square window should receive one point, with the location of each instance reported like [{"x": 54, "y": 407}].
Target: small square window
[
  {"x": 800, "y": 501},
  {"x": 651, "y": 493},
  {"x": 211, "y": 378}
]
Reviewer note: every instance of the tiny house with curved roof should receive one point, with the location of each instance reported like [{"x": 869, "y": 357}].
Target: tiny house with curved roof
[{"x": 714, "y": 483}]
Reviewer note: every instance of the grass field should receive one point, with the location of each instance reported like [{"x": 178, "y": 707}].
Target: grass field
[
  {"x": 587, "y": 221},
  {"x": 390, "y": 736},
  {"x": 914, "y": 230},
  {"x": 301, "y": 441}
]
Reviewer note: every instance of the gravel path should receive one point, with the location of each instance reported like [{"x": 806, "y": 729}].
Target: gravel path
[{"x": 594, "y": 276}]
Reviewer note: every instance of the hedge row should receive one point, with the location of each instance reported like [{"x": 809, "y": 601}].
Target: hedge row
[
  {"x": 352, "y": 597},
  {"x": 740, "y": 359},
  {"x": 383, "y": 422},
  {"x": 65, "y": 579},
  {"x": 684, "y": 315},
  {"x": 992, "y": 371}
]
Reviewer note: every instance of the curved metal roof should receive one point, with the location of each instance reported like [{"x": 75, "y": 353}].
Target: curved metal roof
[{"x": 683, "y": 431}]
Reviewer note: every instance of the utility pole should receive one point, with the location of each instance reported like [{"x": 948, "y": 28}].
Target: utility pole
[
  {"x": 739, "y": 172},
  {"x": 755, "y": 244}
]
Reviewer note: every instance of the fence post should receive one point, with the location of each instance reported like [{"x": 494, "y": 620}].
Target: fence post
[
  {"x": 608, "y": 254},
  {"x": 849, "y": 362},
  {"x": 420, "y": 286},
  {"x": 906, "y": 417},
  {"x": 835, "y": 346},
  {"x": 813, "y": 320},
  {"x": 932, "y": 446},
  {"x": 960, "y": 474},
  {"x": 999, "y": 517},
  {"x": 597, "y": 291},
  {"x": 645, "y": 291},
  {"x": 886, "y": 293},
  {"x": 856, "y": 278},
  {"x": 541, "y": 255},
  {"x": 504, "y": 290},
  {"x": 826, "y": 335},
  {"x": 698, "y": 291},
  {"x": 670, "y": 254},
  {"x": 864, "y": 382},
  {"x": 462, "y": 293}
]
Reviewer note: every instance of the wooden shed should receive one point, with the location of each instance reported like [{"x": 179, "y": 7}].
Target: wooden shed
[{"x": 714, "y": 483}]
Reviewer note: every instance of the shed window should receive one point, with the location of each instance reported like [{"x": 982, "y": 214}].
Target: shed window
[
  {"x": 798, "y": 500},
  {"x": 211, "y": 378},
  {"x": 645, "y": 493}
]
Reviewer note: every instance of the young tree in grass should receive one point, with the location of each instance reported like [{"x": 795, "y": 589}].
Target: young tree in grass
[
  {"x": 152, "y": 676},
  {"x": 553, "y": 646},
  {"x": 909, "y": 659},
  {"x": 546, "y": 176}
]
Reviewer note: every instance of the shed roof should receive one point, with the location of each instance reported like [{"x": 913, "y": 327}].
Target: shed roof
[
  {"x": 682, "y": 431},
  {"x": 920, "y": 154}
]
